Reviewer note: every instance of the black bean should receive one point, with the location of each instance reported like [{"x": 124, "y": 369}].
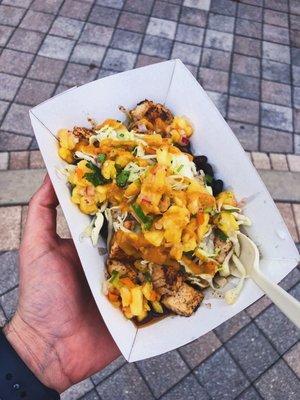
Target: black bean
[
  {"x": 185, "y": 149},
  {"x": 208, "y": 170},
  {"x": 217, "y": 186},
  {"x": 200, "y": 161}
]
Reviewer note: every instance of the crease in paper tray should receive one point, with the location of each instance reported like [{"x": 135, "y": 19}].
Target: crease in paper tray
[{"x": 171, "y": 83}]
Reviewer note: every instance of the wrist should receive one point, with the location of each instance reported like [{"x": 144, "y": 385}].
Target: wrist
[{"x": 37, "y": 353}]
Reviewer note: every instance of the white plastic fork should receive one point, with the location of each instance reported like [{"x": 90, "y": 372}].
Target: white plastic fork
[{"x": 249, "y": 257}]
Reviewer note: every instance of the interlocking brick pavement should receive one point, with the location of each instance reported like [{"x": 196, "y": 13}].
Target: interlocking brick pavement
[{"x": 246, "y": 54}]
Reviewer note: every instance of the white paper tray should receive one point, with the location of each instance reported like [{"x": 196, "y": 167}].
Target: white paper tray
[{"x": 170, "y": 83}]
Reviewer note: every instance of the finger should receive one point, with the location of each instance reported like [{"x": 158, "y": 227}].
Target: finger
[{"x": 41, "y": 219}]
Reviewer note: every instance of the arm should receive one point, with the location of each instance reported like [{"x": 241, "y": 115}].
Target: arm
[{"x": 57, "y": 329}]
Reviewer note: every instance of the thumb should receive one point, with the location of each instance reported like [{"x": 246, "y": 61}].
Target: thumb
[{"x": 41, "y": 219}]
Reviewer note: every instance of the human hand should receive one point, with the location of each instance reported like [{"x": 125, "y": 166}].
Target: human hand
[{"x": 57, "y": 329}]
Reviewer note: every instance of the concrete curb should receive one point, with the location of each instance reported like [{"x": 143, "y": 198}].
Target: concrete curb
[{"x": 19, "y": 185}]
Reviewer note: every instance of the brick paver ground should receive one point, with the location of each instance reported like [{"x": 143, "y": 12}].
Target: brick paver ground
[{"x": 246, "y": 54}]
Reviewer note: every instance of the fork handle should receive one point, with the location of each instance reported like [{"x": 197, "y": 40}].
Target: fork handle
[{"x": 283, "y": 300}]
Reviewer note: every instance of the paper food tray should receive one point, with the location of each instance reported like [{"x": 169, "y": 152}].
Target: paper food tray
[{"x": 172, "y": 84}]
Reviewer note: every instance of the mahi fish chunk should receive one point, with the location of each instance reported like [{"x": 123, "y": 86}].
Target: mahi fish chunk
[
  {"x": 184, "y": 301},
  {"x": 177, "y": 295},
  {"x": 116, "y": 253},
  {"x": 151, "y": 111},
  {"x": 166, "y": 280},
  {"x": 124, "y": 269},
  {"x": 82, "y": 133}
]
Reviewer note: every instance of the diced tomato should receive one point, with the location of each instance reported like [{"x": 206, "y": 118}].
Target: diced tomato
[{"x": 184, "y": 140}]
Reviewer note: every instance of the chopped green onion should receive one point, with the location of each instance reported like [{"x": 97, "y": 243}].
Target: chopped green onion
[
  {"x": 101, "y": 158},
  {"x": 208, "y": 179},
  {"x": 147, "y": 225},
  {"x": 114, "y": 278},
  {"x": 146, "y": 220},
  {"x": 122, "y": 178},
  {"x": 95, "y": 177},
  {"x": 180, "y": 168}
]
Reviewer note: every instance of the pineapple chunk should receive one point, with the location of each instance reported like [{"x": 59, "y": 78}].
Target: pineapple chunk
[
  {"x": 101, "y": 193},
  {"x": 142, "y": 316},
  {"x": 108, "y": 169},
  {"x": 125, "y": 296},
  {"x": 173, "y": 221},
  {"x": 76, "y": 195},
  {"x": 189, "y": 243},
  {"x": 154, "y": 237},
  {"x": 226, "y": 198},
  {"x": 136, "y": 305},
  {"x": 227, "y": 223},
  {"x": 88, "y": 206},
  {"x": 133, "y": 189},
  {"x": 65, "y": 154},
  {"x": 153, "y": 140},
  {"x": 163, "y": 156},
  {"x": 77, "y": 177},
  {"x": 180, "y": 127},
  {"x": 203, "y": 228},
  {"x": 157, "y": 307},
  {"x": 148, "y": 290},
  {"x": 176, "y": 251},
  {"x": 127, "y": 312},
  {"x": 66, "y": 139},
  {"x": 124, "y": 158},
  {"x": 189, "y": 236},
  {"x": 153, "y": 186}
]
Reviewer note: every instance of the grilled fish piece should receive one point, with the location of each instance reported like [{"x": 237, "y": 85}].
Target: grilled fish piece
[
  {"x": 151, "y": 111},
  {"x": 116, "y": 253},
  {"x": 124, "y": 269},
  {"x": 166, "y": 280},
  {"x": 82, "y": 133},
  {"x": 184, "y": 301}
]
